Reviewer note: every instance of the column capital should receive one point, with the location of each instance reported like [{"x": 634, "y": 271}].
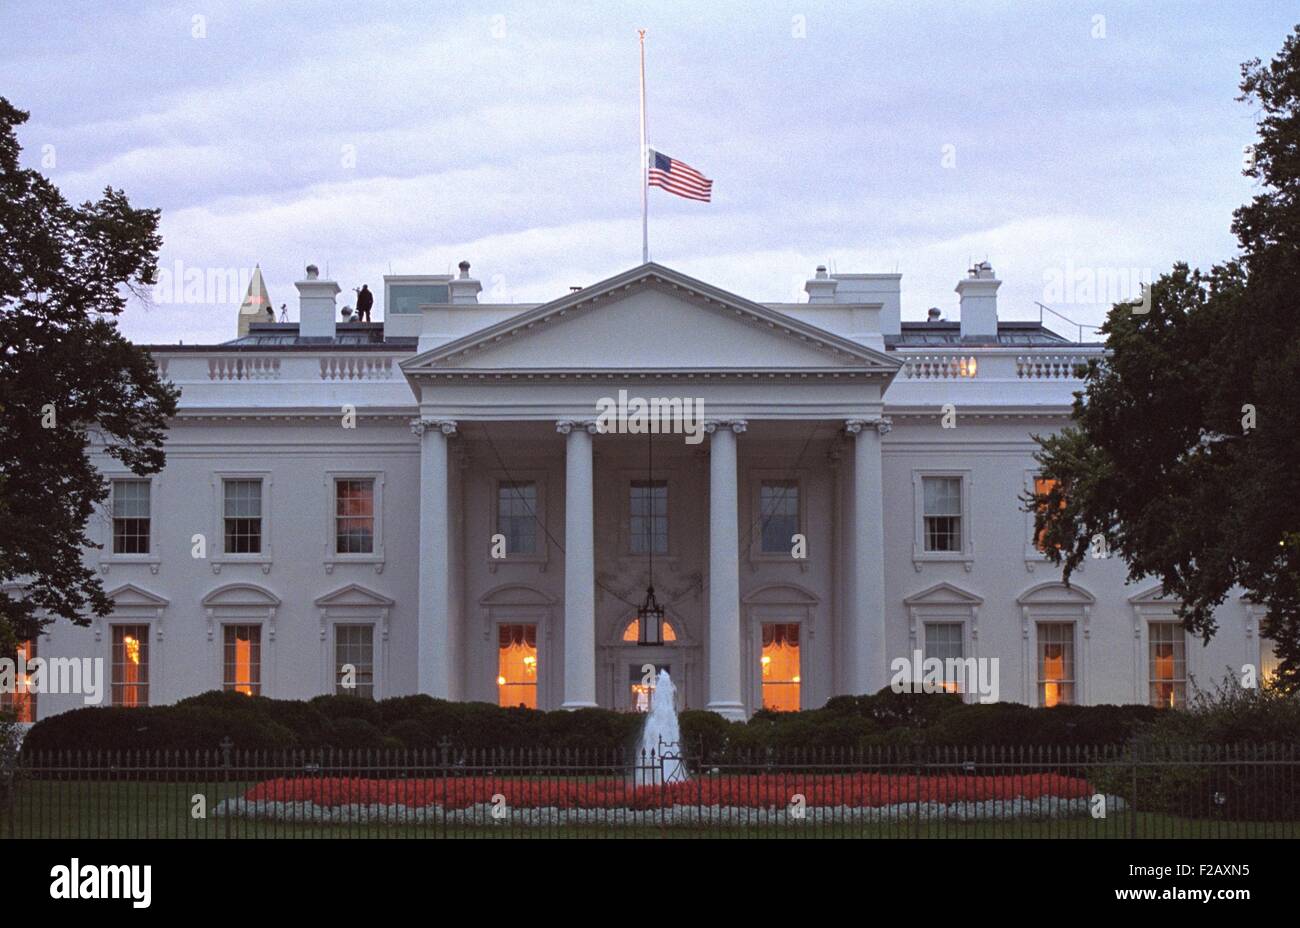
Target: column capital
[
  {"x": 446, "y": 426},
  {"x": 736, "y": 425},
  {"x": 882, "y": 424},
  {"x": 565, "y": 426}
]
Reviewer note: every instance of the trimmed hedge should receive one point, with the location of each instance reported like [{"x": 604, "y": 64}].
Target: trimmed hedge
[{"x": 201, "y": 722}]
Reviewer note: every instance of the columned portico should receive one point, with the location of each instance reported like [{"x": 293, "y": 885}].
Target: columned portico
[
  {"x": 866, "y": 612},
  {"x": 579, "y": 565},
  {"x": 434, "y": 670},
  {"x": 724, "y": 571}
]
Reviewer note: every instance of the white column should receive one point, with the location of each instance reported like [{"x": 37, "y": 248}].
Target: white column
[
  {"x": 434, "y": 626},
  {"x": 579, "y": 566},
  {"x": 866, "y": 606},
  {"x": 724, "y": 571}
]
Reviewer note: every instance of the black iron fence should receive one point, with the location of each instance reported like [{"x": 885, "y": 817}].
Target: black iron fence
[{"x": 900, "y": 792}]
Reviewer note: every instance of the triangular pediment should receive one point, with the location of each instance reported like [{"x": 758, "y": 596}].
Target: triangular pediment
[
  {"x": 128, "y": 594},
  {"x": 943, "y": 594},
  {"x": 1153, "y": 596},
  {"x": 354, "y": 594},
  {"x": 652, "y": 318}
]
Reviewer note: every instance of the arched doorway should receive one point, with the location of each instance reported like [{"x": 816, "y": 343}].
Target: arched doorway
[{"x": 630, "y": 668}]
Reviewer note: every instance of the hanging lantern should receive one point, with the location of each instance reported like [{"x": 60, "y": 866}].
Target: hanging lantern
[{"x": 650, "y": 620}]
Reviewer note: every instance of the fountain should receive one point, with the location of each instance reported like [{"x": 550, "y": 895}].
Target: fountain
[{"x": 658, "y": 754}]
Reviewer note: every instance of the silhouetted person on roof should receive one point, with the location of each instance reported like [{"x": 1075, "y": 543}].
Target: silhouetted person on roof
[{"x": 365, "y": 300}]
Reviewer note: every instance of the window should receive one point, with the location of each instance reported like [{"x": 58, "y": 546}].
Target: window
[
  {"x": 942, "y": 514},
  {"x": 1042, "y": 486},
  {"x": 1056, "y": 663},
  {"x": 517, "y": 665},
  {"x": 633, "y": 632},
  {"x": 242, "y": 670},
  {"x": 1269, "y": 661},
  {"x": 242, "y": 516},
  {"x": 354, "y": 516},
  {"x": 354, "y": 660},
  {"x": 780, "y": 666},
  {"x": 130, "y": 682},
  {"x": 648, "y": 508},
  {"x": 778, "y": 502},
  {"x": 943, "y": 642},
  {"x": 408, "y": 298},
  {"x": 130, "y": 516},
  {"x": 1168, "y": 664},
  {"x": 641, "y": 684},
  {"x": 517, "y": 515},
  {"x": 21, "y": 702}
]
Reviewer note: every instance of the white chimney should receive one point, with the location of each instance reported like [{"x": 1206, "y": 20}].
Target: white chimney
[
  {"x": 463, "y": 289},
  {"x": 821, "y": 288},
  {"x": 316, "y": 305},
  {"x": 979, "y": 302}
]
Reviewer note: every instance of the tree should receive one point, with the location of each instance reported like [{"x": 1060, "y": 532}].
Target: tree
[
  {"x": 1183, "y": 454},
  {"x": 67, "y": 375}
]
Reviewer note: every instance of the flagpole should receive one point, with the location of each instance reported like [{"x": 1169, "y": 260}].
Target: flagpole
[{"x": 645, "y": 164}]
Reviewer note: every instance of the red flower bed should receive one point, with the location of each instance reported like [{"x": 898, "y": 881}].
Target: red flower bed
[{"x": 756, "y": 791}]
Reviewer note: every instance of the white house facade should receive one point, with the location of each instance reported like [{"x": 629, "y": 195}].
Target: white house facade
[{"x": 433, "y": 504}]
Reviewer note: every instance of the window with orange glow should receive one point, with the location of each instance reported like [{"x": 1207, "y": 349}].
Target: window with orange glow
[
  {"x": 945, "y": 642},
  {"x": 1168, "y": 664},
  {"x": 642, "y": 684},
  {"x": 1043, "y": 486},
  {"x": 633, "y": 631},
  {"x": 1056, "y": 663},
  {"x": 21, "y": 702},
  {"x": 517, "y": 666},
  {"x": 243, "y": 659},
  {"x": 780, "y": 666},
  {"x": 130, "y": 683},
  {"x": 1269, "y": 661}
]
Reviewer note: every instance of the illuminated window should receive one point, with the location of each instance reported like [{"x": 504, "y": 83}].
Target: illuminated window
[
  {"x": 354, "y": 516},
  {"x": 130, "y": 683},
  {"x": 1168, "y": 664},
  {"x": 517, "y": 665},
  {"x": 243, "y": 516},
  {"x": 780, "y": 666},
  {"x": 1269, "y": 661},
  {"x": 130, "y": 516},
  {"x": 633, "y": 631},
  {"x": 942, "y": 513},
  {"x": 1056, "y": 663},
  {"x": 778, "y": 502},
  {"x": 648, "y": 529},
  {"x": 943, "y": 641},
  {"x": 642, "y": 684},
  {"x": 354, "y": 660},
  {"x": 517, "y": 515},
  {"x": 1043, "y": 486},
  {"x": 243, "y": 659},
  {"x": 21, "y": 702}
]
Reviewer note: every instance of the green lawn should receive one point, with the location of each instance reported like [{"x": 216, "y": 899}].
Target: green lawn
[{"x": 90, "y": 809}]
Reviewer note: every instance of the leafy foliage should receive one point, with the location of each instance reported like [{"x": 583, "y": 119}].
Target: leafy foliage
[
  {"x": 1184, "y": 447},
  {"x": 68, "y": 378}
]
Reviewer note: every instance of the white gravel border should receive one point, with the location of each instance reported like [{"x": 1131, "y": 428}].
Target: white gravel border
[{"x": 486, "y": 814}]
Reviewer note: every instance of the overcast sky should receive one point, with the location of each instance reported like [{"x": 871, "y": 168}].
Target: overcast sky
[{"x": 407, "y": 136}]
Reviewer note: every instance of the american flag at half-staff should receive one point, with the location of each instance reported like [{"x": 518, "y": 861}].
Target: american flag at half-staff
[{"x": 678, "y": 177}]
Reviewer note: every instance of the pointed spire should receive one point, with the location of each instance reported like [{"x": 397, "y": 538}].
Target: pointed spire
[{"x": 256, "y": 303}]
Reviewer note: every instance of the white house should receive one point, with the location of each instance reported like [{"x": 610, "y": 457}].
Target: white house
[{"x": 428, "y": 504}]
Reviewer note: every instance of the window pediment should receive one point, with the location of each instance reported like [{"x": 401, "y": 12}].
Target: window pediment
[{"x": 354, "y": 594}]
